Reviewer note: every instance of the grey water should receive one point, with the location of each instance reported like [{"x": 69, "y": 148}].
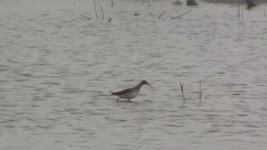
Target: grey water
[{"x": 58, "y": 68}]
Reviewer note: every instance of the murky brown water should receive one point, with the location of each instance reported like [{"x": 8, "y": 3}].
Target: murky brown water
[{"x": 57, "y": 69}]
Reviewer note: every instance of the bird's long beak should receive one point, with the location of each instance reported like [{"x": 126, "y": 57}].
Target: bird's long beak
[{"x": 150, "y": 86}]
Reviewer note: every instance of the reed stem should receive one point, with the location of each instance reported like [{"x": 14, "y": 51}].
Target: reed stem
[
  {"x": 103, "y": 16},
  {"x": 95, "y": 10},
  {"x": 182, "y": 89},
  {"x": 238, "y": 8},
  {"x": 200, "y": 91}
]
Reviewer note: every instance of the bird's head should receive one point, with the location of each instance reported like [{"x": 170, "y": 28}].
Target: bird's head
[{"x": 144, "y": 82}]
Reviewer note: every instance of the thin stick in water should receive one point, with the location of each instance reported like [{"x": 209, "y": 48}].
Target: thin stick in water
[
  {"x": 95, "y": 10},
  {"x": 242, "y": 11},
  {"x": 200, "y": 92},
  {"x": 238, "y": 8},
  {"x": 103, "y": 16},
  {"x": 162, "y": 14},
  {"x": 182, "y": 89}
]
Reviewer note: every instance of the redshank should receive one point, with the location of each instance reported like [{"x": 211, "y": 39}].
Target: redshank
[{"x": 131, "y": 92}]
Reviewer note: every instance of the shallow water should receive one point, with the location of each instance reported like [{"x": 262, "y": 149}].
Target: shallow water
[{"x": 57, "y": 70}]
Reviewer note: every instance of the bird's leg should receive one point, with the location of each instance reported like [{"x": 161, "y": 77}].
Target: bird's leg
[{"x": 118, "y": 99}]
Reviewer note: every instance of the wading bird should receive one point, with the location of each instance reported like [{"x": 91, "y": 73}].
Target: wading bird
[{"x": 131, "y": 92}]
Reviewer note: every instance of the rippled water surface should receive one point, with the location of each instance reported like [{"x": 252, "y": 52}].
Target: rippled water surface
[{"x": 57, "y": 70}]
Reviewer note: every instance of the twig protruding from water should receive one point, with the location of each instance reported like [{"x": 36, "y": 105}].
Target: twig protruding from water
[
  {"x": 200, "y": 91},
  {"x": 239, "y": 9},
  {"x": 182, "y": 89},
  {"x": 95, "y": 10},
  {"x": 103, "y": 16}
]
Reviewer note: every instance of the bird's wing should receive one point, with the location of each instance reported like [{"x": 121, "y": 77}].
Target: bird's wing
[{"x": 121, "y": 92}]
